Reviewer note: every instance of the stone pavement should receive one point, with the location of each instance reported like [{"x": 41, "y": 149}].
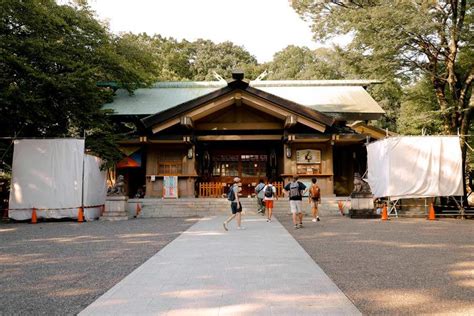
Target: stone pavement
[{"x": 258, "y": 271}]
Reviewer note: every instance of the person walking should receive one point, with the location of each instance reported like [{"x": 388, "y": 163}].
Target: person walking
[
  {"x": 295, "y": 191},
  {"x": 269, "y": 196},
  {"x": 235, "y": 205},
  {"x": 314, "y": 197},
  {"x": 260, "y": 195}
]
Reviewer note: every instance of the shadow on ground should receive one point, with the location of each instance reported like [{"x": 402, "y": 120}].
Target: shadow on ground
[
  {"x": 404, "y": 266},
  {"x": 62, "y": 267}
]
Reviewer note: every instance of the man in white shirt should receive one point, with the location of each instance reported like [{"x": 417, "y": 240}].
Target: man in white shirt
[{"x": 269, "y": 193}]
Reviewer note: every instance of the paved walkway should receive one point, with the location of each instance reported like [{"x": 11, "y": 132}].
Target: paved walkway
[{"x": 258, "y": 271}]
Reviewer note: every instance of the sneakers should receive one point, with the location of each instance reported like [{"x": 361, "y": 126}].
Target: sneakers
[
  {"x": 241, "y": 228},
  {"x": 269, "y": 220},
  {"x": 300, "y": 225},
  {"x": 296, "y": 227},
  {"x": 314, "y": 220},
  {"x": 317, "y": 218},
  {"x": 225, "y": 226}
]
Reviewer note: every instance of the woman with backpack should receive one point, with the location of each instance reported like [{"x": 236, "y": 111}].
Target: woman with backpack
[
  {"x": 269, "y": 195},
  {"x": 314, "y": 198}
]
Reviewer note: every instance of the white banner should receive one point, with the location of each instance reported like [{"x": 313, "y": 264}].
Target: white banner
[{"x": 415, "y": 167}]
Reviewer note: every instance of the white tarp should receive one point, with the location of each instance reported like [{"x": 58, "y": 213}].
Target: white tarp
[
  {"x": 95, "y": 187},
  {"x": 47, "y": 175},
  {"x": 415, "y": 167}
]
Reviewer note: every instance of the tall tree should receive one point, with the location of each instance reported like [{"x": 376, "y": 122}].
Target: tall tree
[
  {"x": 410, "y": 37},
  {"x": 207, "y": 57},
  {"x": 51, "y": 58}
]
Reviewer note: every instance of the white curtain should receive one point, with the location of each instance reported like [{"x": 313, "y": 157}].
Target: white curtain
[
  {"x": 415, "y": 167},
  {"x": 47, "y": 174}
]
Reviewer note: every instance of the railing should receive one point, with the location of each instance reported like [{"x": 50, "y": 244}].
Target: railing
[
  {"x": 216, "y": 189},
  {"x": 211, "y": 189},
  {"x": 279, "y": 188}
]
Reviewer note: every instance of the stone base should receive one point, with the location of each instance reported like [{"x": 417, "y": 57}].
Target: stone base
[
  {"x": 115, "y": 208},
  {"x": 362, "y": 207}
]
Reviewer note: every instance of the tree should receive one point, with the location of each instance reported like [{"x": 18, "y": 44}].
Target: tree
[
  {"x": 418, "y": 110},
  {"x": 207, "y": 57},
  {"x": 410, "y": 38},
  {"x": 51, "y": 58},
  {"x": 301, "y": 63}
]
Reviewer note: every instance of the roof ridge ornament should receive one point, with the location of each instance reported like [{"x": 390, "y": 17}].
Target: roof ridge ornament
[
  {"x": 217, "y": 76},
  {"x": 237, "y": 74},
  {"x": 262, "y": 75}
]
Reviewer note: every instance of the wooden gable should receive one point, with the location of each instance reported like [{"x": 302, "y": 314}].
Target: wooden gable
[{"x": 271, "y": 109}]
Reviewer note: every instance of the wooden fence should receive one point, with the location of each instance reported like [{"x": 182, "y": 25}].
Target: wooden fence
[
  {"x": 211, "y": 189},
  {"x": 279, "y": 188},
  {"x": 216, "y": 189}
]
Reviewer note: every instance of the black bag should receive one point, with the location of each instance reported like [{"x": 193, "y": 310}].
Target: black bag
[
  {"x": 268, "y": 191},
  {"x": 231, "y": 194}
]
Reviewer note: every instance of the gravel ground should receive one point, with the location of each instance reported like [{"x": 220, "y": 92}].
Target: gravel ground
[
  {"x": 403, "y": 267},
  {"x": 59, "y": 268}
]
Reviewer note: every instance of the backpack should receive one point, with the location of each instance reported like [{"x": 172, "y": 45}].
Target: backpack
[
  {"x": 295, "y": 189},
  {"x": 269, "y": 191},
  {"x": 231, "y": 194},
  {"x": 315, "y": 192}
]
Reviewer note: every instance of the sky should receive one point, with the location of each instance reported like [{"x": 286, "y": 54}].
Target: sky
[{"x": 263, "y": 27}]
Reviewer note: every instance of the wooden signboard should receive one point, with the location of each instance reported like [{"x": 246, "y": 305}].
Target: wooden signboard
[
  {"x": 309, "y": 156},
  {"x": 170, "y": 187}
]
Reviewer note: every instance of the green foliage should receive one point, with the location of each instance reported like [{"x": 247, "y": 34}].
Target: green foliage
[
  {"x": 301, "y": 63},
  {"x": 408, "y": 39},
  {"x": 207, "y": 57},
  {"x": 198, "y": 60},
  {"x": 419, "y": 110},
  {"x": 51, "y": 57}
]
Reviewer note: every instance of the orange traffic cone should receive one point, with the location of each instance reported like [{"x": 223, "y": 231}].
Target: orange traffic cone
[
  {"x": 80, "y": 215},
  {"x": 384, "y": 213},
  {"x": 138, "y": 210},
  {"x": 34, "y": 219},
  {"x": 431, "y": 213}
]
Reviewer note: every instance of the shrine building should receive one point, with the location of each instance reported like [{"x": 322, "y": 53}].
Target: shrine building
[{"x": 206, "y": 133}]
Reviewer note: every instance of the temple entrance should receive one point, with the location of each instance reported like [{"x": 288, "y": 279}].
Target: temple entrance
[{"x": 248, "y": 161}]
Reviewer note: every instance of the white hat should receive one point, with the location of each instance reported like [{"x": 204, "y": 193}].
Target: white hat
[{"x": 236, "y": 179}]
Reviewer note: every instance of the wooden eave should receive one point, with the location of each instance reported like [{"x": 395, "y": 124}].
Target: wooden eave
[{"x": 249, "y": 95}]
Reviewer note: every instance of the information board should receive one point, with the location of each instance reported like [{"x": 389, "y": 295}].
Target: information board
[{"x": 170, "y": 187}]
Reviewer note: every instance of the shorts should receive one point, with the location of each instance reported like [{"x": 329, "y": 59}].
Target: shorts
[
  {"x": 269, "y": 203},
  {"x": 296, "y": 206},
  {"x": 235, "y": 207},
  {"x": 314, "y": 202}
]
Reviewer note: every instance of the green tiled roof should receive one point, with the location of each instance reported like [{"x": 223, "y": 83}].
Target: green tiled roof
[{"x": 345, "y": 98}]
